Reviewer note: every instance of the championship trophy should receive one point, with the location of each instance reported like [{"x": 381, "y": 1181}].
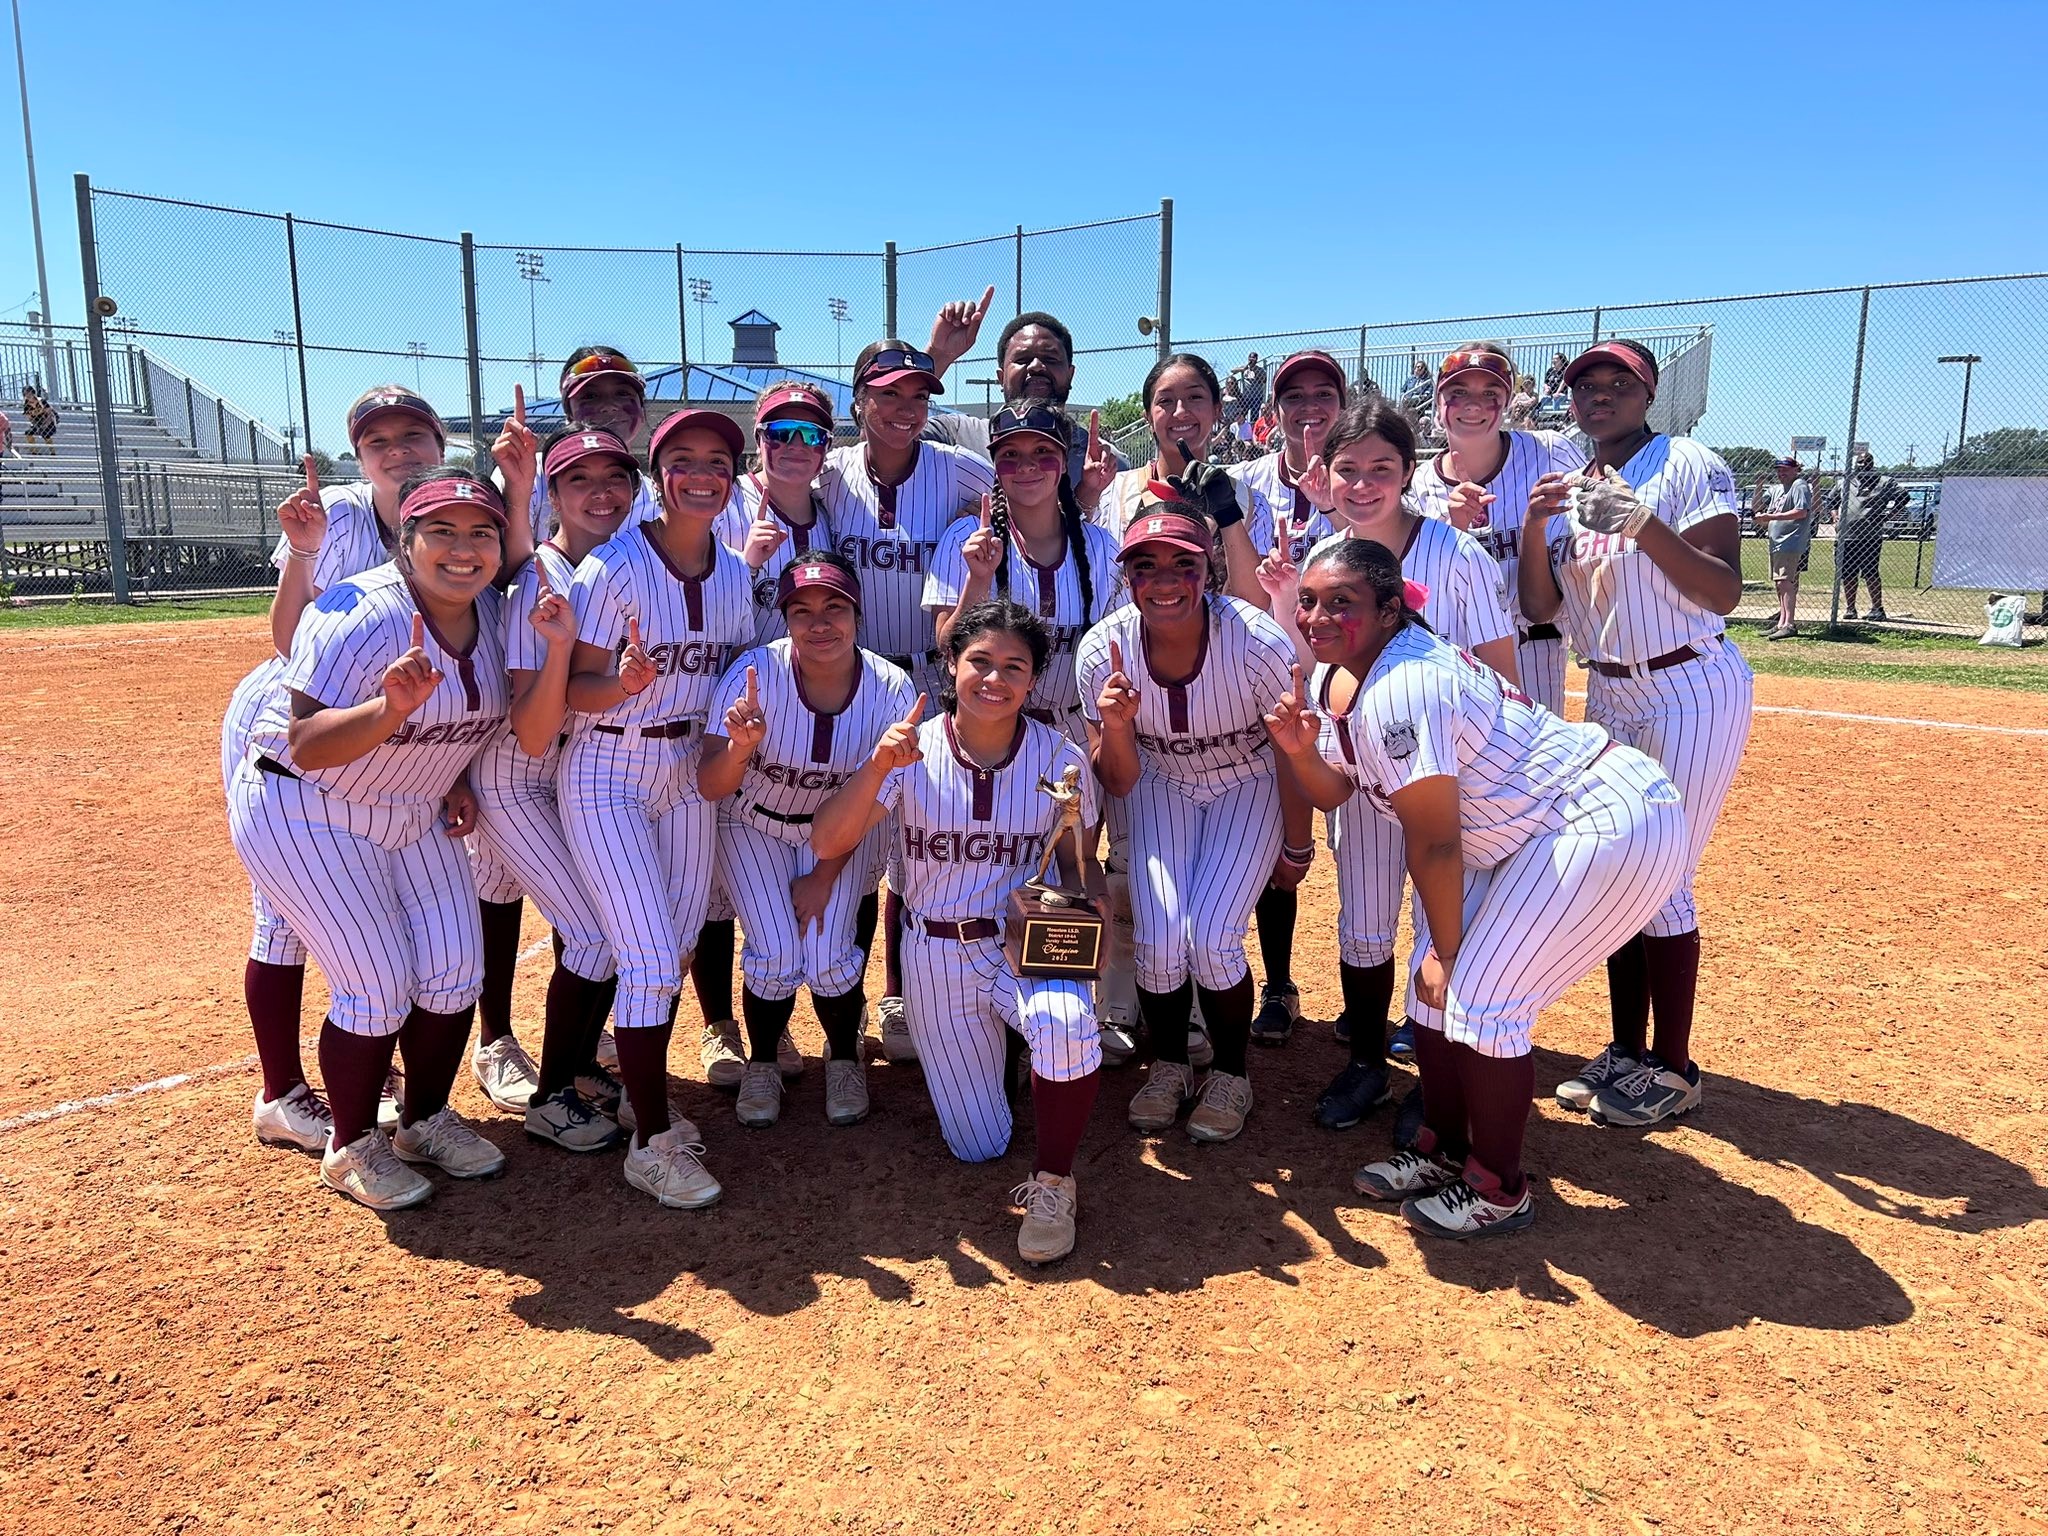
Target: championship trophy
[{"x": 1051, "y": 931}]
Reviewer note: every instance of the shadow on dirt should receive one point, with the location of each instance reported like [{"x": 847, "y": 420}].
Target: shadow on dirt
[{"x": 1650, "y": 1230}]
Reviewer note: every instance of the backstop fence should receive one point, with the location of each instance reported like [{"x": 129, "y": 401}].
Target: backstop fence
[{"x": 238, "y": 338}]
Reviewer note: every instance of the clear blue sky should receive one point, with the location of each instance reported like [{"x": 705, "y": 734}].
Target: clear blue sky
[{"x": 1329, "y": 163}]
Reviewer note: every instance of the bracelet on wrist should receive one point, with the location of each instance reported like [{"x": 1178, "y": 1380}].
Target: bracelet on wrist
[{"x": 293, "y": 552}]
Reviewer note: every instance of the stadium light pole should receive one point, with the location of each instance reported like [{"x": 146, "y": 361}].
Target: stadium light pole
[
  {"x": 1969, "y": 360},
  {"x": 838, "y": 308},
  {"x": 533, "y": 268},
  {"x": 35, "y": 206},
  {"x": 291, "y": 427},
  {"x": 700, "y": 295},
  {"x": 418, "y": 349}
]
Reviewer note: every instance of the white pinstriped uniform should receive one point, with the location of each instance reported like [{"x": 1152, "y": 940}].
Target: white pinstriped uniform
[
  {"x": 764, "y": 827},
  {"x": 1054, "y": 594},
  {"x": 1530, "y": 456},
  {"x": 643, "y": 839},
  {"x": 646, "y": 507},
  {"x": 890, "y": 533},
  {"x": 1694, "y": 717},
  {"x": 271, "y": 939},
  {"x": 1204, "y": 818},
  {"x": 1570, "y": 842},
  {"x": 1468, "y": 607},
  {"x": 519, "y": 828},
  {"x": 353, "y": 856},
  {"x": 967, "y": 837},
  {"x": 749, "y": 494},
  {"x": 1274, "y": 500}
]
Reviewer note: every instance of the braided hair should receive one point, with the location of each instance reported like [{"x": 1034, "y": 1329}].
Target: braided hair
[{"x": 1072, "y": 521}]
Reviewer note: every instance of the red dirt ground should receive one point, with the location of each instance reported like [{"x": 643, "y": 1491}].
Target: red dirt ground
[{"x": 1817, "y": 1305}]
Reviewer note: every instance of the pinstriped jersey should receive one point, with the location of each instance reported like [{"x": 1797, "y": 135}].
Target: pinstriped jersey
[
  {"x": 1052, "y": 592},
  {"x": 807, "y": 753},
  {"x": 1274, "y": 500},
  {"x": 890, "y": 532},
  {"x": 504, "y": 762},
  {"x": 346, "y": 639},
  {"x": 1617, "y": 605},
  {"x": 970, "y": 835},
  {"x": 1428, "y": 710},
  {"x": 1207, "y": 732},
  {"x": 689, "y": 625},
  {"x": 1468, "y": 599},
  {"x": 749, "y": 495},
  {"x": 646, "y": 507},
  {"x": 1530, "y": 456},
  {"x": 355, "y": 540}
]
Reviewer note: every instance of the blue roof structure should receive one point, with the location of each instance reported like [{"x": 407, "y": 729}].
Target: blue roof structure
[{"x": 754, "y": 317}]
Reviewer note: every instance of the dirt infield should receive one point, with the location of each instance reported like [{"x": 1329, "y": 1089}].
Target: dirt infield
[{"x": 1817, "y": 1305}]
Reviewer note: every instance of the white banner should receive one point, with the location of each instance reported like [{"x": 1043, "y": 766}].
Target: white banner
[{"x": 1992, "y": 534}]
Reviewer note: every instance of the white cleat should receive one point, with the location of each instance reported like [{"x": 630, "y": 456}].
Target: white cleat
[
  {"x": 506, "y": 1073},
  {"x": 669, "y": 1168},
  {"x": 897, "y": 1046},
  {"x": 445, "y": 1140},
  {"x": 368, "y": 1174},
  {"x": 298, "y": 1120}
]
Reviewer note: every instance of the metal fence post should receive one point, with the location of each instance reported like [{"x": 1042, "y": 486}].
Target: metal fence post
[
  {"x": 291, "y": 251},
  {"x": 1596, "y": 325},
  {"x": 476, "y": 358},
  {"x": 102, "y": 412},
  {"x": 1165, "y": 316},
  {"x": 220, "y": 425},
  {"x": 889, "y": 288},
  {"x": 1020, "y": 281},
  {"x": 145, "y": 392},
  {"x": 1363, "y": 373},
  {"x": 1855, "y": 410},
  {"x": 682, "y": 324}
]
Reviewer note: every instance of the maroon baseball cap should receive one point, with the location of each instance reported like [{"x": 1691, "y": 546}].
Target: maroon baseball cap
[
  {"x": 392, "y": 400},
  {"x": 1613, "y": 352},
  {"x": 800, "y": 575},
  {"x": 795, "y": 399},
  {"x": 894, "y": 363},
  {"x": 1311, "y": 361},
  {"x": 727, "y": 429},
  {"x": 1163, "y": 518},
  {"x": 453, "y": 491},
  {"x": 591, "y": 444}
]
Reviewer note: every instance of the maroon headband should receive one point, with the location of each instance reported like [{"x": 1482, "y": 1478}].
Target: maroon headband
[
  {"x": 578, "y": 446},
  {"x": 451, "y": 492},
  {"x": 800, "y": 575}
]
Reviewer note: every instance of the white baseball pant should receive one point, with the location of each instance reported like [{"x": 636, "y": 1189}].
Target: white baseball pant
[
  {"x": 756, "y": 868},
  {"x": 1196, "y": 872},
  {"x": 958, "y": 998},
  {"x": 271, "y": 940},
  {"x": 1541, "y": 663},
  {"x": 1370, "y": 855},
  {"x": 519, "y": 832}
]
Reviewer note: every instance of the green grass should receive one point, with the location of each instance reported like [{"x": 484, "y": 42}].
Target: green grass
[
  {"x": 59, "y": 615},
  {"x": 1904, "y": 597},
  {"x": 1865, "y": 656}
]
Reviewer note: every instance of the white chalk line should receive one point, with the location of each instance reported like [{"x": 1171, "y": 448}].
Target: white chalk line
[
  {"x": 175, "y": 1080},
  {"x": 1933, "y": 725}
]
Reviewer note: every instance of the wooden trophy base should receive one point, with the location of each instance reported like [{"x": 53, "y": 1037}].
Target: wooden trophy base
[{"x": 1067, "y": 940}]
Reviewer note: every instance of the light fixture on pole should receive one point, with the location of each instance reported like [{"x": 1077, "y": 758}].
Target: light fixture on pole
[
  {"x": 838, "y": 308},
  {"x": 700, "y": 295},
  {"x": 418, "y": 349},
  {"x": 533, "y": 269},
  {"x": 1969, "y": 360},
  {"x": 291, "y": 429}
]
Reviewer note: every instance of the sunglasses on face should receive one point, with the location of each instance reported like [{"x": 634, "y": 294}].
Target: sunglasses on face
[{"x": 785, "y": 434}]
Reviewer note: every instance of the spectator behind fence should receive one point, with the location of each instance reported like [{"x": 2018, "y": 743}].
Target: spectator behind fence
[
  {"x": 1553, "y": 376},
  {"x": 1419, "y": 393},
  {"x": 1522, "y": 409},
  {"x": 1859, "y": 549},
  {"x": 1251, "y": 384},
  {"x": 7, "y": 438},
  {"x": 42, "y": 419},
  {"x": 1789, "y": 522}
]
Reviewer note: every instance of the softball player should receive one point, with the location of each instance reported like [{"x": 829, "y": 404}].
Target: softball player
[
  {"x": 1643, "y": 559},
  {"x": 1484, "y": 465},
  {"x": 1174, "y": 686},
  {"x": 593, "y": 482},
  {"x": 1535, "y": 846},
  {"x": 970, "y": 820},
  {"x": 889, "y": 497},
  {"x": 799, "y": 716},
  {"x": 659, "y": 609},
  {"x": 335, "y": 813},
  {"x": 1308, "y": 392},
  {"x": 600, "y": 389}
]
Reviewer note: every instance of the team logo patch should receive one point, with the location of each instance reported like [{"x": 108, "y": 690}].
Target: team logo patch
[
  {"x": 814, "y": 573},
  {"x": 1721, "y": 482},
  {"x": 1399, "y": 740},
  {"x": 590, "y": 440},
  {"x": 1156, "y": 525},
  {"x": 463, "y": 490}
]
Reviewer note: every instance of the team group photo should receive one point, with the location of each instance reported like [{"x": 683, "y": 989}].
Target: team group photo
[{"x": 746, "y": 813}]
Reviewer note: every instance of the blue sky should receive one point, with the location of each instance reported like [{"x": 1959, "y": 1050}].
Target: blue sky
[{"x": 1329, "y": 164}]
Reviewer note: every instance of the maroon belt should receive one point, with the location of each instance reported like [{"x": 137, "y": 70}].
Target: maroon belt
[
  {"x": 973, "y": 928},
  {"x": 1675, "y": 658},
  {"x": 672, "y": 729}
]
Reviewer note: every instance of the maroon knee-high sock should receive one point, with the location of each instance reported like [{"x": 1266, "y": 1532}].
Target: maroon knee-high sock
[
  {"x": 892, "y": 945},
  {"x": 840, "y": 1017},
  {"x": 1061, "y": 1111},
  {"x": 1498, "y": 1090},
  {"x": 501, "y": 921},
  {"x": 274, "y": 994},
  {"x": 643, "y": 1068},
  {"x": 866, "y": 914},
  {"x": 766, "y": 1019},
  {"x": 352, "y": 1069},
  {"x": 1228, "y": 1014},
  {"x": 1276, "y": 912},
  {"x": 1628, "y": 996},
  {"x": 566, "y": 1043},
  {"x": 1368, "y": 993},
  {"x": 1674, "y": 973},
  {"x": 601, "y": 997},
  {"x": 1445, "y": 1122},
  {"x": 434, "y": 1043},
  {"x": 711, "y": 971},
  {"x": 1166, "y": 1016}
]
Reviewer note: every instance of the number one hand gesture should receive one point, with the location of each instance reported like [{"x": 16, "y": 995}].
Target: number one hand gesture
[
  {"x": 515, "y": 452},
  {"x": 303, "y": 515},
  {"x": 745, "y": 725},
  {"x": 411, "y": 680},
  {"x": 636, "y": 668},
  {"x": 1293, "y": 726},
  {"x": 551, "y": 616},
  {"x": 983, "y": 550},
  {"x": 1117, "y": 703},
  {"x": 898, "y": 747}
]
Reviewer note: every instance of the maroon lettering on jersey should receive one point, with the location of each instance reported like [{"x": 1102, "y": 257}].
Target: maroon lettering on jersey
[
  {"x": 1000, "y": 848},
  {"x": 691, "y": 658},
  {"x": 907, "y": 555},
  {"x": 448, "y": 733},
  {"x": 1587, "y": 546},
  {"x": 1253, "y": 736},
  {"x": 800, "y": 778}
]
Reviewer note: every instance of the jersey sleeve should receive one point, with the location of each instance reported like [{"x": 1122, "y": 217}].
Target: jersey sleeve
[
  {"x": 342, "y": 647},
  {"x": 1105, "y": 571},
  {"x": 1709, "y": 489},
  {"x": 525, "y": 651},
  {"x": 947, "y": 578},
  {"x": 1405, "y": 727},
  {"x": 1482, "y": 596},
  {"x": 1269, "y": 659},
  {"x": 1566, "y": 458},
  {"x": 1091, "y": 666},
  {"x": 730, "y": 526},
  {"x": 331, "y": 565},
  {"x": 601, "y": 602},
  {"x": 282, "y": 552}
]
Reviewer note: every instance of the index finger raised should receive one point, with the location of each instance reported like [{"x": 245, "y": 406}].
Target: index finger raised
[
  {"x": 633, "y": 632},
  {"x": 916, "y": 711},
  {"x": 753, "y": 686},
  {"x": 988, "y": 297},
  {"x": 312, "y": 475},
  {"x": 419, "y": 631},
  {"x": 519, "y": 404},
  {"x": 1095, "y": 426},
  {"x": 1116, "y": 657}
]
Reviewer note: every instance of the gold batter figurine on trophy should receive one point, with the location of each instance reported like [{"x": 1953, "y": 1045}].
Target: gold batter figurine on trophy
[{"x": 1052, "y": 931}]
